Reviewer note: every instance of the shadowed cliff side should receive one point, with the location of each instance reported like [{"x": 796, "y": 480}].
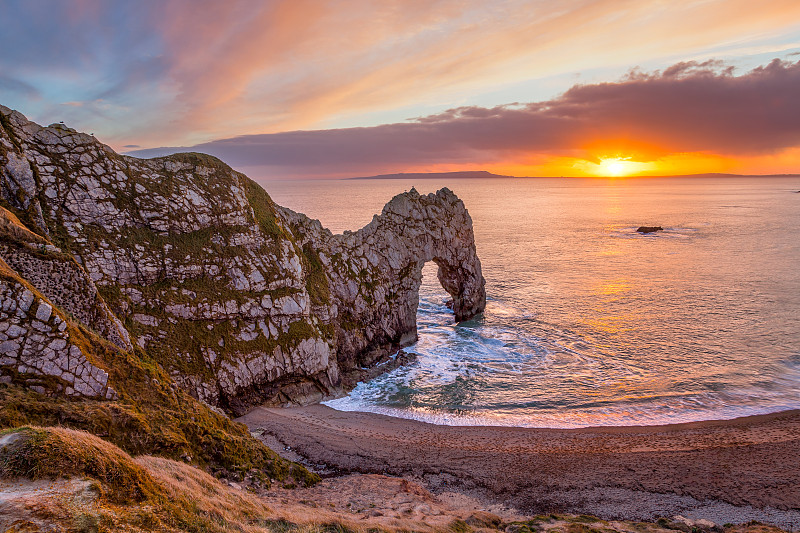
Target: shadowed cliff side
[{"x": 240, "y": 301}]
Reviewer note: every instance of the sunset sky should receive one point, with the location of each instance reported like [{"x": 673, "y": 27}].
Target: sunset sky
[{"x": 291, "y": 89}]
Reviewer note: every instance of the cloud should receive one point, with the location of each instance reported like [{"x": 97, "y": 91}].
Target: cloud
[
  {"x": 688, "y": 107},
  {"x": 185, "y": 71},
  {"x": 14, "y": 86},
  {"x": 294, "y": 63}
]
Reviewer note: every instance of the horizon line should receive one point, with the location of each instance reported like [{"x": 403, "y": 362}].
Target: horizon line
[{"x": 483, "y": 174}]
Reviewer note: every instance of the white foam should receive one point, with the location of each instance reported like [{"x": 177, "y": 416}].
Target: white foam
[{"x": 686, "y": 410}]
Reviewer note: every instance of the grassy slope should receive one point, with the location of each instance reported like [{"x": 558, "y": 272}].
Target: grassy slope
[
  {"x": 131, "y": 494},
  {"x": 152, "y": 416},
  {"x": 138, "y": 494}
]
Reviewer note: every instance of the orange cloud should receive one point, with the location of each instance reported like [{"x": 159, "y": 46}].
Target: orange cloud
[
  {"x": 188, "y": 71},
  {"x": 240, "y": 68},
  {"x": 690, "y": 118}
]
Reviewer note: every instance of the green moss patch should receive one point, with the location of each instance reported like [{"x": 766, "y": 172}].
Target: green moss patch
[
  {"x": 316, "y": 281},
  {"x": 263, "y": 209}
]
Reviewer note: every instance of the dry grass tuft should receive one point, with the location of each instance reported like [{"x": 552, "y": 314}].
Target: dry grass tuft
[
  {"x": 142, "y": 494},
  {"x": 36, "y": 453},
  {"x": 13, "y": 229}
]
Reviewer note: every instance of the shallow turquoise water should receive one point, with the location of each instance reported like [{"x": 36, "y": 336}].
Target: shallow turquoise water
[{"x": 588, "y": 322}]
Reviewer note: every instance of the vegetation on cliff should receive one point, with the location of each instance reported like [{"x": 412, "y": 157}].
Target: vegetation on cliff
[
  {"x": 46, "y": 310},
  {"x": 155, "y": 420},
  {"x": 112, "y": 491}
]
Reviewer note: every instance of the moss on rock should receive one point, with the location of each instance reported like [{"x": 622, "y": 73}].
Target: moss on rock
[{"x": 152, "y": 416}]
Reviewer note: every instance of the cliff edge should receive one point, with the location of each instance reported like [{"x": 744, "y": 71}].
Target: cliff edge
[{"x": 189, "y": 262}]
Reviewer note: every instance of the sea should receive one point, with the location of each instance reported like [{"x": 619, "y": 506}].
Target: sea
[{"x": 589, "y": 323}]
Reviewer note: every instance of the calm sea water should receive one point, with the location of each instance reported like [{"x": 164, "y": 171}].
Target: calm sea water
[{"x": 588, "y": 322}]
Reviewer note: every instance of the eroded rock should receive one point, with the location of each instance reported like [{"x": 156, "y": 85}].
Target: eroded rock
[
  {"x": 649, "y": 229},
  {"x": 38, "y": 349},
  {"x": 240, "y": 300}
]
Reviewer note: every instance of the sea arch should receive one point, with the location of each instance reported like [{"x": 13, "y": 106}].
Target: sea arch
[{"x": 374, "y": 274}]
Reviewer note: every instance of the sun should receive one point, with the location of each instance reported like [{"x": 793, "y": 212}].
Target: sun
[{"x": 616, "y": 167}]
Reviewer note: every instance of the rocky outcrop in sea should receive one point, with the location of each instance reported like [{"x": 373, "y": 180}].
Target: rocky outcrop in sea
[{"x": 187, "y": 262}]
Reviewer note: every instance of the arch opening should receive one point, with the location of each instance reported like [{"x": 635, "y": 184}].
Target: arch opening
[{"x": 432, "y": 292}]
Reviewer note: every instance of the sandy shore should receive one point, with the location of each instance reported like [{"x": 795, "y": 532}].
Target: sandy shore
[{"x": 725, "y": 471}]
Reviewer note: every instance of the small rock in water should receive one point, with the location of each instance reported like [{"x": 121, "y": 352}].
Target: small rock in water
[{"x": 649, "y": 229}]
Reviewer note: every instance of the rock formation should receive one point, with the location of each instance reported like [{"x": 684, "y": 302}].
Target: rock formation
[
  {"x": 649, "y": 229},
  {"x": 36, "y": 344},
  {"x": 182, "y": 258}
]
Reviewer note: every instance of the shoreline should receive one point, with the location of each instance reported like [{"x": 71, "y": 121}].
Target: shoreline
[
  {"x": 428, "y": 420},
  {"x": 726, "y": 471}
]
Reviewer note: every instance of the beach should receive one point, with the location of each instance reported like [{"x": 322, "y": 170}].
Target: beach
[{"x": 728, "y": 471}]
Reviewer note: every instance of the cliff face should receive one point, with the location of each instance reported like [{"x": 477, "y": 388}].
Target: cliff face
[{"x": 240, "y": 300}]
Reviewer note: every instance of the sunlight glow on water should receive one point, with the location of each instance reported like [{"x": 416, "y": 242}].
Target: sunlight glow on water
[{"x": 588, "y": 322}]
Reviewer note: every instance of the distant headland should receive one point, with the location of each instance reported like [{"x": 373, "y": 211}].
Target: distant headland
[
  {"x": 465, "y": 174},
  {"x": 484, "y": 174}
]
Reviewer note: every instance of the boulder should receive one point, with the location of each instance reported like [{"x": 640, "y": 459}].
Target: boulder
[{"x": 649, "y": 229}]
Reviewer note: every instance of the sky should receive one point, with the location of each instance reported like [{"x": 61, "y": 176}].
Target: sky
[{"x": 332, "y": 89}]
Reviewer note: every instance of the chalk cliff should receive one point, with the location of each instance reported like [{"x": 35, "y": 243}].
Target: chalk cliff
[{"x": 240, "y": 300}]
